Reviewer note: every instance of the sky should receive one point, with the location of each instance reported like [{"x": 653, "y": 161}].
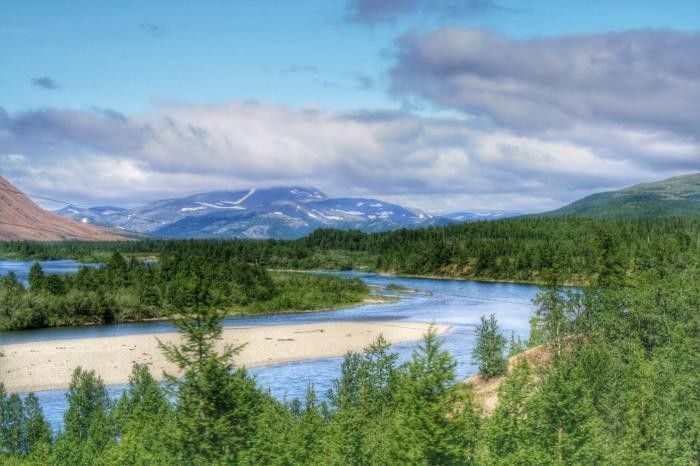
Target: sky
[{"x": 445, "y": 105}]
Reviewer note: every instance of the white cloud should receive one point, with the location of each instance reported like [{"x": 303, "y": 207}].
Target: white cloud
[{"x": 438, "y": 164}]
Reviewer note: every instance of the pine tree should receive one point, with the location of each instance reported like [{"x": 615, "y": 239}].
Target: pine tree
[
  {"x": 216, "y": 404},
  {"x": 488, "y": 349},
  {"x": 434, "y": 421},
  {"x": 506, "y": 433},
  {"x": 144, "y": 419},
  {"x": 36, "y": 277}
]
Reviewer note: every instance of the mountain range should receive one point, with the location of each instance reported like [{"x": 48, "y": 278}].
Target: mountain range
[
  {"x": 280, "y": 213},
  {"x": 293, "y": 212}
]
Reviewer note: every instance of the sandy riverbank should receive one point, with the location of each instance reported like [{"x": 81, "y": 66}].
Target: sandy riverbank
[{"x": 48, "y": 365}]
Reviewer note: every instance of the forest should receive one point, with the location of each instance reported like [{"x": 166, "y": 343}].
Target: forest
[
  {"x": 620, "y": 387},
  {"x": 522, "y": 249},
  {"x": 129, "y": 290},
  {"x": 621, "y": 384}
]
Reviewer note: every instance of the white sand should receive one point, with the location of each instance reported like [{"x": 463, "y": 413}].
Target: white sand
[{"x": 48, "y": 365}]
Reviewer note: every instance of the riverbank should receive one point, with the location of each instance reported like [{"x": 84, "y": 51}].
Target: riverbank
[
  {"x": 49, "y": 365},
  {"x": 482, "y": 279},
  {"x": 447, "y": 277},
  {"x": 95, "y": 297},
  {"x": 486, "y": 391}
]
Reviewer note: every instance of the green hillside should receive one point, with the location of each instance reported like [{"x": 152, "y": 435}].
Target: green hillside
[{"x": 678, "y": 196}]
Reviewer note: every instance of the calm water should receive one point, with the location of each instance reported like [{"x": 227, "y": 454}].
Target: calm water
[
  {"x": 21, "y": 268},
  {"x": 456, "y": 303}
]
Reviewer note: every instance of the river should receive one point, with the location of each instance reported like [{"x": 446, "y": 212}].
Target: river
[{"x": 454, "y": 302}]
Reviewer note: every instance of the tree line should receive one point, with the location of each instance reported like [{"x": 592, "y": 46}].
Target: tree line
[{"x": 522, "y": 249}]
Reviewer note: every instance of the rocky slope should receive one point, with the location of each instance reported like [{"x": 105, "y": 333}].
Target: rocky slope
[{"x": 22, "y": 219}]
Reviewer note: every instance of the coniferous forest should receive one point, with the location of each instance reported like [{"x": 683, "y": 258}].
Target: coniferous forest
[
  {"x": 522, "y": 249},
  {"x": 132, "y": 290},
  {"x": 620, "y": 384}
]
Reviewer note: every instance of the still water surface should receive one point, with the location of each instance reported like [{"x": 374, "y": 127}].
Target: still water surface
[{"x": 454, "y": 302}]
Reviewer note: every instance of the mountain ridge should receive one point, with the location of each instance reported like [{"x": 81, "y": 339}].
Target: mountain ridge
[
  {"x": 256, "y": 213},
  {"x": 22, "y": 219},
  {"x": 676, "y": 196}
]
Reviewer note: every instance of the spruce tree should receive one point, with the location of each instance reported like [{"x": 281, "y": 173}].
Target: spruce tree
[
  {"x": 434, "y": 421},
  {"x": 217, "y": 404}
]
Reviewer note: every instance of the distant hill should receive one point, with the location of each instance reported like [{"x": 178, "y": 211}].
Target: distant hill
[
  {"x": 22, "y": 219},
  {"x": 678, "y": 196},
  {"x": 280, "y": 213}
]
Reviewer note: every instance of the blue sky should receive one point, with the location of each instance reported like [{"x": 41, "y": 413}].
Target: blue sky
[
  {"x": 123, "y": 55},
  {"x": 139, "y": 58}
]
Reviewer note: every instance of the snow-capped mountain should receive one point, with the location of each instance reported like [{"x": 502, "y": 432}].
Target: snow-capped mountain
[
  {"x": 92, "y": 215},
  {"x": 480, "y": 215},
  {"x": 281, "y": 213}
]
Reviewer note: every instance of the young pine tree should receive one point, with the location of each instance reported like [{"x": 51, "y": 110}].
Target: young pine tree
[
  {"x": 434, "y": 421},
  {"x": 489, "y": 348},
  {"x": 144, "y": 422},
  {"x": 88, "y": 427},
  {"x": 36, "y": 277},
  {"x": 217, "y": 405}
]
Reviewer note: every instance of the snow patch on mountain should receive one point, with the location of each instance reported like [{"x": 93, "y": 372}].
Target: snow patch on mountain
[
  {"x": 250, "y": 193},
  {"x": 219, "y": 206},
  {"x": 281, "y": 212}
]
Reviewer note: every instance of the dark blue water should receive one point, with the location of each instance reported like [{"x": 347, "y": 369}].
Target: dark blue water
[
  {"x": 456, "y": 303},
  {"x": 21, "y": 268}
]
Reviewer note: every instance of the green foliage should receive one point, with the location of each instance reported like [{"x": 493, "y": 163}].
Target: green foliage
[
  {"x": 524, "y": 249},
  {"x": 88, "y": 427},
  {"x": 144, "y": 421},
  {"x": 24, "y": 433},
  {"x": 435, "y": 422},
  {"x": 216, "y": 405},
  {"x": 515, "y": 345},
  {"x": 620, "y": 385},
  {"x": 488, "y": 349},
  {"x": 132, "y": 290}
]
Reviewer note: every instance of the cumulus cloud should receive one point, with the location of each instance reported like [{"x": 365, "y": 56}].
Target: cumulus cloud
[
  {"x": 431, "y": 162},
  {"x": 45, "y": 82},
  {"x": 638, "y": 81},
  {"x": 372, "y": 12}
]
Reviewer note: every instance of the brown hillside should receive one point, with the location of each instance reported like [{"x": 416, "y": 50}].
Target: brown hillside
[
  {"x": 486, "y": 391},
  {"x": 22, "y": 219}
]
